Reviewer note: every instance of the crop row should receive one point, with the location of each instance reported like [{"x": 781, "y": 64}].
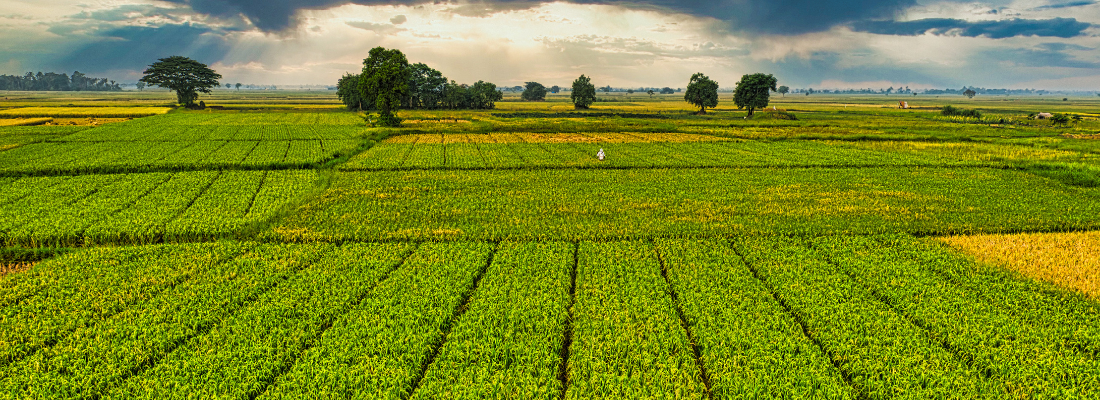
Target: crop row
[
  {"x": 142, "y": 208},
  {"x": 390, "y": 156},
  {"x": 509, "y": 342},
  {"x": 645, "y": 203},
  {"x": 749, "y": 345},
  {"x": 245, "y": 352},
  {"x": 79, "y": 157},
  {"x": 100, "y": 356},
  {"x": 1038, "y": 345},
  {"x": 878, "y": 350},
  {"x": 14, "y": 136},
  {"x": 627, "y": 339},
  {"x": 380, "y": 348}
]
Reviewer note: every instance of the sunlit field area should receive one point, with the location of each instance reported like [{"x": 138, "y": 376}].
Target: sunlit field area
[{"x": 275, "y": 245}]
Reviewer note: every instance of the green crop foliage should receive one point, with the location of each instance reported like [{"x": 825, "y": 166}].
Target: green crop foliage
[
  {"x": 646, "y": 203},
  {"x": 95, "y": 358},
  {"x": 271, "y": 332},
  {"x": 1043, "y": 352},
  {"x": 881, "y": 353},
  {"x": 627, "y": 338},
  {"x": 749, "y": 344},
  {"x": 381, "y": 347},
  {"x": 508, "y": 343}
]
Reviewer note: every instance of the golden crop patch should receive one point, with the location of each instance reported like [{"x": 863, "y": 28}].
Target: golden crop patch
[{"x": 1070, "y": 260}]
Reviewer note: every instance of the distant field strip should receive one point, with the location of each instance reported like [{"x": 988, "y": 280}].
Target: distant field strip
[
  {"x": 514, "y": 152},
  {"x": 79, "y": 112},
  {"x": 142, "y": 208},
  {"x": 882, "y": 317},
  {"x": 108, "y": 157},
  {"x": 1070, "y": 260},
  {"x": 645, "y": 203}
]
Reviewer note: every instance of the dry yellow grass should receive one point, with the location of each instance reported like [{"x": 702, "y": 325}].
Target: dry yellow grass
[
  {"x": 7, "y": 268},
  {"x": 80, "y": 112},
  {"x": 1069, "y": 260},
  {"x": 24, "y": 121}
]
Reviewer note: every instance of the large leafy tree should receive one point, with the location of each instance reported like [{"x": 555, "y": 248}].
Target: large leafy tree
[
  {"x": 702, "y": 92},
  {"x": 385, "y": 79},
  {"x": 584, "y": 93},
  {"x": 534, "y": 91},
  {"x": 426, "y": 85},
  {"x": 182, "y": 75},
  {"x": 753, "y": 91},
  {"x": 783, "y": 90}
]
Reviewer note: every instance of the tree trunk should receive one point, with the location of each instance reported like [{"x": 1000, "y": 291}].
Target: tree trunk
[{"x": 750, "y": 111}]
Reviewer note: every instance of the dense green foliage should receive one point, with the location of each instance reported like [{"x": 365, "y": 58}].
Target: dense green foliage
[
  {"x": 752, "y": 91},
  {"x": 584, "y": 92},
  {"x": 702, "y": 92},
  {"x": 347, "y": 89},
  {"x": 952, "y": 111},
  {"x": 533, "y": 91},
  {"x": 385, "y": 79},
  {"x": 182, "y": 75}
]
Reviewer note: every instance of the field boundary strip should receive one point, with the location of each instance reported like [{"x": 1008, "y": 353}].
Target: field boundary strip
[{"x": 567, "y": 342}]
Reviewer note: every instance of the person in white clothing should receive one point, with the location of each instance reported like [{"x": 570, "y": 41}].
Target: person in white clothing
[{"x": 600, "y": 154}]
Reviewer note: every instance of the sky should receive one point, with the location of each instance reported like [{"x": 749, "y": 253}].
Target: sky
[{"x": 1040, "y": 44}]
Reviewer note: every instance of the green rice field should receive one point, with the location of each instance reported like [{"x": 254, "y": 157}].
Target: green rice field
[{"x": 282, "y": 248}]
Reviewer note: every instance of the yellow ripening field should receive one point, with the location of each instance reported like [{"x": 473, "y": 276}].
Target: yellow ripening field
[
  {"x": 24, "y": 121},
  {"x": 79, "y": 112},
  {"x": 586, "y": 137},
  {"x": 1070, "y": 260}
]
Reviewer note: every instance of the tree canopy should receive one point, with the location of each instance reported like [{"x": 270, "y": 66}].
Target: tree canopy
[
  {"x": 970, "y": 93},
  {"x": 347, "y": 89},
  {"x": 753, "y": 91},
  {"x": 702, "y": 92},
  {"x": 182, "y": 75},
  {"x": 555, "y": 89},
  {"x": 584, "y": 93},
  {"x": 426, "y": 86},
  {"x": 783, "y": 90},
  {"x": 534, "y": 91},
  {"x": 385, "y": 79}
]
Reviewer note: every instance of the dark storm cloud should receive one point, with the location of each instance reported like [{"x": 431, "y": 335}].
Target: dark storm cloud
[
  {"x": 1044, "y": 55},
  {"x": 1057, "y": 27},
  {"x": 133, "y": 47},
  {"x": 754, "y": 16}
]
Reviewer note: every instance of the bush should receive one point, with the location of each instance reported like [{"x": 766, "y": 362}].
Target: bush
[
  {"x": 951, "y": 111},
  {"x": 775, "y": 114}
]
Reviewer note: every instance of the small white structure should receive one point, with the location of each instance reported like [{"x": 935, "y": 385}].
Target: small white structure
[
  {"x": 903, "y": 105},
  {"x": 600, "y": 155},
  {"x": 1043, "y": 115}
]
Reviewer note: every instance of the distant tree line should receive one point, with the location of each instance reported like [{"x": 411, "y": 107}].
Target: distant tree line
[
  {"x": 55, "y": 82},
  {"x": 414, "y": 86}
]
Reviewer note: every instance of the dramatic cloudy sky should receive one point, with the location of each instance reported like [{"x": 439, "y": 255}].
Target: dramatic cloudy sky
[{"x": 1050, "y": 44}]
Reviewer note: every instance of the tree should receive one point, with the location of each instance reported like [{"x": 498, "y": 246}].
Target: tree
[
  {"x": 630, "y": 91},
  {"x": 426, "y": 86},
  {"x": 238, "y": 85},
  {"x": 667, "y": 90},
  {"x": 140, "y": 86},
  {"x": 385, "y": 79},
  {"x": 969, "y": 93},
  {"x": 182, "y": 75},
  {"x": 584, "y": 93},
  {"x": 228, "y": 85},
  {"x": 606, "y": 89},
  {"x": 484, "y": 95},
  {"x": 702, "y": 92},
  {"x": 650, "y": 92},
  {"x": 555, "y": 89},
  {"x": 783, "y": 90},
  {"x": 753, "y": 91},
  {"x": 534, "y": 92},
  {"x": 347, "y": 89}
]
